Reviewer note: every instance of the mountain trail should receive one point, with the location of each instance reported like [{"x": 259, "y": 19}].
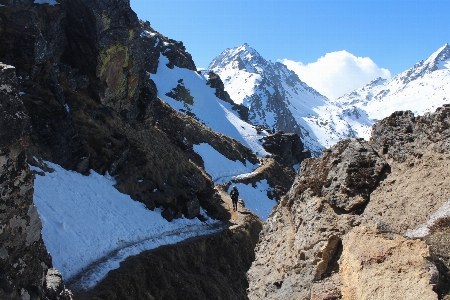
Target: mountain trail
[{"x": 95, "y": 272}]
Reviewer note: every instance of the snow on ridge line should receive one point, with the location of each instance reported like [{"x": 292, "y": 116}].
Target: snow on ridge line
[
  {"x": 210, "y": 110},
  {"x": 85, "y": 219},
  {"x": 424, "y": 230},
  {"x": 219, "y": 167}
]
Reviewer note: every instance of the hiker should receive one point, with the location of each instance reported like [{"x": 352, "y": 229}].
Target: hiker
[{"x": 234, "y": 197}]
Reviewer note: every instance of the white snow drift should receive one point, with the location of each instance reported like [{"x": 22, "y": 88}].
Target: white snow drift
[
  {"x": 90, "y": 227},
  {"x": 219, "y": 167}
]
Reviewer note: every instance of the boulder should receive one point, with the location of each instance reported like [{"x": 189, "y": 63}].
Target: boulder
[
  {"x": 349, "y": 226},
  {"x": 377, "y": 265},
  {"x": 286, "y": 147}
]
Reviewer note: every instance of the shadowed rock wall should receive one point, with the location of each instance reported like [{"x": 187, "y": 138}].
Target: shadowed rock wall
[{"x": 24, "y": 260}]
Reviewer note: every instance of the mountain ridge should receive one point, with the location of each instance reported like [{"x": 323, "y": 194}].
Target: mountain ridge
[
  {"x": 278, "y": 99},
  {"x": 421, "y": 88}
]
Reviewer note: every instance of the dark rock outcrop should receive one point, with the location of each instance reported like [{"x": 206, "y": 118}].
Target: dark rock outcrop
[
  {"x": 215, "y": 82},
  {"x": 14, "y": 120},
  {"x": 24, "y": 260},
  {"x": 33, "y": 40},
  {"x": 345, "y": 176},
  {"x": 84, "y": 69},
  {"x": 156, "y": 44},
  {"x": 404, "y": 137},
  {"x": 357, "y": 212},
  {"x": 286, "y": 147}
]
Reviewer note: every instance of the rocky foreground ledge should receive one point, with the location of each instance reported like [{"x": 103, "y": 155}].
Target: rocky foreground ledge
[
  {"x": 25, "y": 263},
  {"x": 366, "y": 220}
]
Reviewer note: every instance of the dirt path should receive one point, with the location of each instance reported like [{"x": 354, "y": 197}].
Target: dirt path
[{"x": 237, "y": 217}]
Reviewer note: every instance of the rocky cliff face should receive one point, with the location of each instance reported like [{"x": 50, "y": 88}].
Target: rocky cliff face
[
  {"x": 363, "y": 210},
  {"x": 286, "y": 148},
  {"x": 83, "y": 98},
  {"x": 84, "y": 74},
  {"x": 24, "y": 260}
]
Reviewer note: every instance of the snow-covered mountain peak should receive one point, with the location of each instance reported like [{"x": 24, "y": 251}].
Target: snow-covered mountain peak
[
  {"x": 277, "y": 98},
  {"x": 242, "y": 57},
  {"x": 420, "y": 89},
  {"x": 441, "y": 58},
  {"x": 437, "y": 61}
]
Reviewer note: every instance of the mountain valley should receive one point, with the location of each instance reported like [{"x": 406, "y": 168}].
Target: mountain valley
[{"x": 117, "y": 157}]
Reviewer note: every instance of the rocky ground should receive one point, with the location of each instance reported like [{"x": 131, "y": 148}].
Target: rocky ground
[{"x": 366, "y": 220}]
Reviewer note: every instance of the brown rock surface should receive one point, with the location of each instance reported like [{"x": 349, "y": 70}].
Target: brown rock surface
[
  {"x": 411, "y": 192},
  {"x": 309, "y": 248},
  {"x": 385, "y": 266}
]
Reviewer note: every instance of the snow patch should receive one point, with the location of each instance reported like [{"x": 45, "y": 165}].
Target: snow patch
[
  {"x": 219, "y": 167},
  {"x": 86, "y": 220},
  {"x": 51, "y": 2},
  {"x": 424, "y": 230}
]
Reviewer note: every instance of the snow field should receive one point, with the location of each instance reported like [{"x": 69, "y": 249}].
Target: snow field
[{"x": 85, "y": 219}]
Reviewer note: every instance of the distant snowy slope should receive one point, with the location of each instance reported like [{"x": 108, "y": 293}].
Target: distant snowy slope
[
  {"x": 278, "y": 99},
  {"x": 187, "y": 91},
  {"x": 422, "y": 88}
]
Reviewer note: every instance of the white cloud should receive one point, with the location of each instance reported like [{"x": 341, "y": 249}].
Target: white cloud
[{"x": 337, "y": 73}]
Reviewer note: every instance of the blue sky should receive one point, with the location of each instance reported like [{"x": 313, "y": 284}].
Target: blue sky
[{"x": 394, "y": 34}]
